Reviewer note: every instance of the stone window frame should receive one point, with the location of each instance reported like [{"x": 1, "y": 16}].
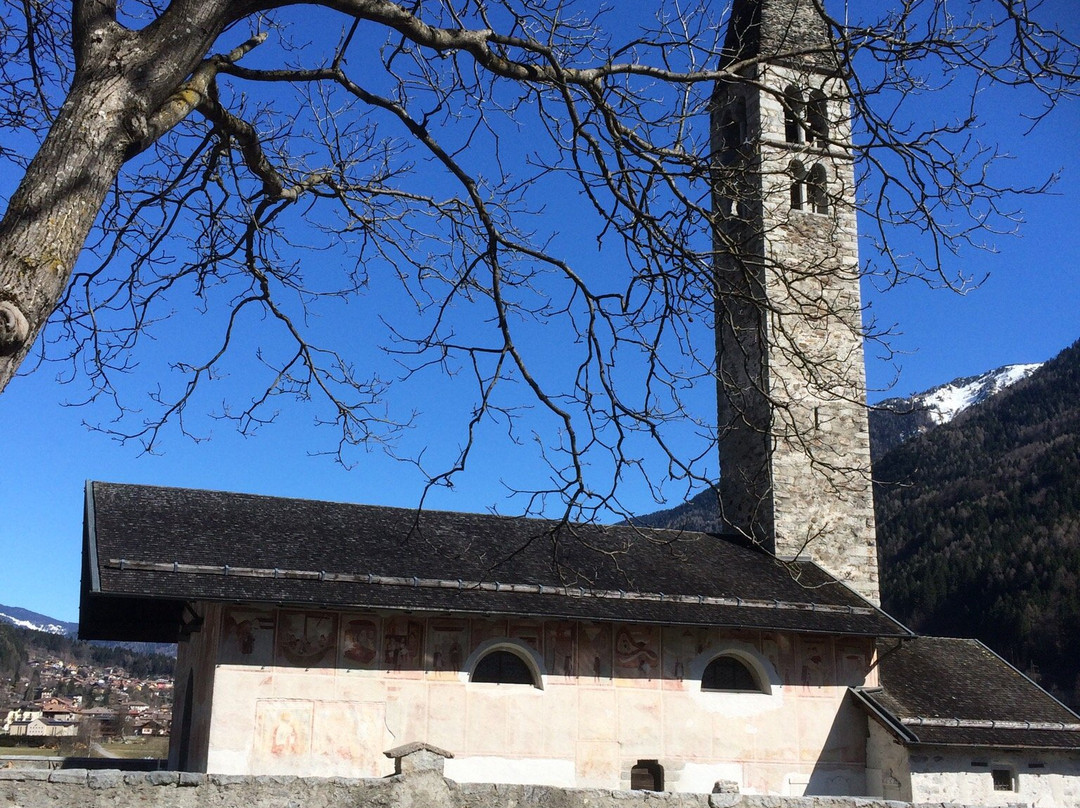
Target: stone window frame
[
  {"x": 760, "y": 682},
  {"x": 794, "y": 104},
  {"x": 797, "y": 173},
  {"x": 518, "y": 648},
  {"x": 817, "y": 118},
  {"x": 1004, "y": 777},
  {"x": 760, "y": 668},
  {"x": 817, "y": 189},
  {"x": 650, "y": 768}
]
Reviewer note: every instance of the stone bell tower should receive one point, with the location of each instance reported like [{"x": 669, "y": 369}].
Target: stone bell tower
[{"x": 794, "y": 441}]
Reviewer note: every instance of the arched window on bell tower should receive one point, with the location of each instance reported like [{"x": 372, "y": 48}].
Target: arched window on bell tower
[
  {"x": 733, "y": 129},
  {"x": 817, "y": 118},
  {"x": 797, "y": 175},
  {"x": 794, "y": 108},
  {"x": 817, "y": 185}
]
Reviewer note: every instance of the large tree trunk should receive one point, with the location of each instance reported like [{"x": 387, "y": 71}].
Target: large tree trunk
[
  {"x": 122, "y": 77},
  {"x": 52, "y": 210}
]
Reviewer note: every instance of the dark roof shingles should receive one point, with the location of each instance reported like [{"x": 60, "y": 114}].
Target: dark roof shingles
[
  {"x": 191, "y": 527},
  {"x": 942, "y": 680}
]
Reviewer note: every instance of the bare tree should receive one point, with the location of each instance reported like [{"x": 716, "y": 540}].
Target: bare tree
[{"x": 254, "y": 166}]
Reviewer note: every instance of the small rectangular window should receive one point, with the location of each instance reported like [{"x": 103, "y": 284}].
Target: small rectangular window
[{"x": 1003, "y": 780}]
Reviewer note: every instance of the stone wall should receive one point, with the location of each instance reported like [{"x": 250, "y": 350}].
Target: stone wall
[{"x": 426, "y": 789}]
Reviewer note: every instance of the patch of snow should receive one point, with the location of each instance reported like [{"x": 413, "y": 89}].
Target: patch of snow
[
  {"x": 944, "y": 403},
  {"x": 50, "y": 628}
]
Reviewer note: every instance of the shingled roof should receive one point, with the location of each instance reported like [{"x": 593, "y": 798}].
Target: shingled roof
[
  {"x": 148, "y": 550},
  {"x": 939, "y": 691}
]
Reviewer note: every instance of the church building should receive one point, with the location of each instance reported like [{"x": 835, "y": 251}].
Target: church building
[{"x": 314, "y": 637}]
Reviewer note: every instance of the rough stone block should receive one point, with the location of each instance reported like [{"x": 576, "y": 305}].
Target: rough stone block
[
  {"x": 71, "y": 776},
  {"x": 225, "y": 780},
  {"x": 189, "y": 779},
  {"x": 106, "y": 778},
  {"x": 163, "y": 778}
]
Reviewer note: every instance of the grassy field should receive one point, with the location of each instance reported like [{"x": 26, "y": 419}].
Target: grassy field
[
  {"x": 149, "y": 747},
  {"x": 141, "y": 748},
  {"x": 27, "y": 751}
]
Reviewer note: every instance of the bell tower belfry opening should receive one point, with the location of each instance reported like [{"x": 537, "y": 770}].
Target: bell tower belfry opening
[{"x": 793, "y": 434}]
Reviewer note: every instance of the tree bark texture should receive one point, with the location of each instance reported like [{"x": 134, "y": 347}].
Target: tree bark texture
[{"x": 122, "y": 77}]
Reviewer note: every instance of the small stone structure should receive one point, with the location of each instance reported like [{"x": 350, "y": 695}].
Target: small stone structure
[{"x": 418, "y": 757}]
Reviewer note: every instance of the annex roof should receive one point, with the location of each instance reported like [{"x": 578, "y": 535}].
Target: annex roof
[
  {"x": 148, "y": 550},
  {"x": 939, "y": 691}
]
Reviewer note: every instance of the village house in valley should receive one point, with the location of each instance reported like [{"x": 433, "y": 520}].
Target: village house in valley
[{"x": 316, "y": 636}]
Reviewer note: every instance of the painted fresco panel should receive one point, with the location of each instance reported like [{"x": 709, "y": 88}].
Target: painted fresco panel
[
  {"x": 403, "y": 644},
  {"x": 247, "y": 636},
  {"x": 815, "y": 664},
  {"x": 594, "y": 651},
  {"x": 449, "y": 639},
  {"x": 637, "y": 652},
  {"x": 681, "y": 646},
  {"x": 530, "y": 632},
  {"x": 282, "y": 736},
  {"x": 360, "y": 642},
  {"x": 306, "y": 639},
  {"x": 484, "y": 630},
  {"x": 321, "y": 722},
  {"x": 560, "y": 645},
  {"x": 348, "y": 738}
]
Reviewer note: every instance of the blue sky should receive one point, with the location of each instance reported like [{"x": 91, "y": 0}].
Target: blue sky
[{"x": 1027, "y": 310}]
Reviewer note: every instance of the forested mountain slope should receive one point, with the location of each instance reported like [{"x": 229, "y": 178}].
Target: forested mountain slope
[{"x": 979, "y": 526}]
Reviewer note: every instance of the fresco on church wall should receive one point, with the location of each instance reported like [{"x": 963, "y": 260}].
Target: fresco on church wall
[
  {"x": 589, "y": 651},
  {"x": 594, "y": 651},
  {"x": 560, "y": 647},
  {"x": 247, "y": 636},
  {"x": 360, "y": 642},
  {"x": 681, "y": 645},
  {"x": 637, "y": 652},
  {"x": 307, "y": 639},
  {"x": 815, "y": 663},
  {"x": 282, "y": 734},
  {"x": 449, "y": 644},
  {"x": 484, "y": 630},
  {"x": 403, "y": 644},
  {"x": 530, "y": 632},
  {"x": 854, "y": 663}
]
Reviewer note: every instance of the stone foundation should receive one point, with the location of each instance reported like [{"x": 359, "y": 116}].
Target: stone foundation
[{"x": 41, "y": 788}]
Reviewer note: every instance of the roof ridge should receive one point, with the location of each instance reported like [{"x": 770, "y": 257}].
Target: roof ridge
[
  {"x": 975, "y": 723},
  {"x": 483, "y": 586}
]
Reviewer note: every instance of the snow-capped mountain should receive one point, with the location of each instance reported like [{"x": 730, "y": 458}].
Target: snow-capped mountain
[
  {"x": 894, "y": 420},
  {"x": 24, "y": 618}
]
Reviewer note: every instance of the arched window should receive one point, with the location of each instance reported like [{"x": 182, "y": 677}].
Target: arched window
[
  {"x": 794, "y": 107},
  {"x": 817, "y": 118},
  {"x": 729, "y": 673},
  {"x": 734, "y": 130},
  {"x": 817, "y": 185},
  {"x": 798, "y": 184},
  {"x": 647, "y": 775},
  {"x": 503, "y": 667}
]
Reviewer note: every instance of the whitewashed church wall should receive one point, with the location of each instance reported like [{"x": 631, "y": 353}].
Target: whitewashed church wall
[
  {"x": 326, "y": 693},
  {"x": 888, "y": 770},
  {"x": 1043, "y": 780}
]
